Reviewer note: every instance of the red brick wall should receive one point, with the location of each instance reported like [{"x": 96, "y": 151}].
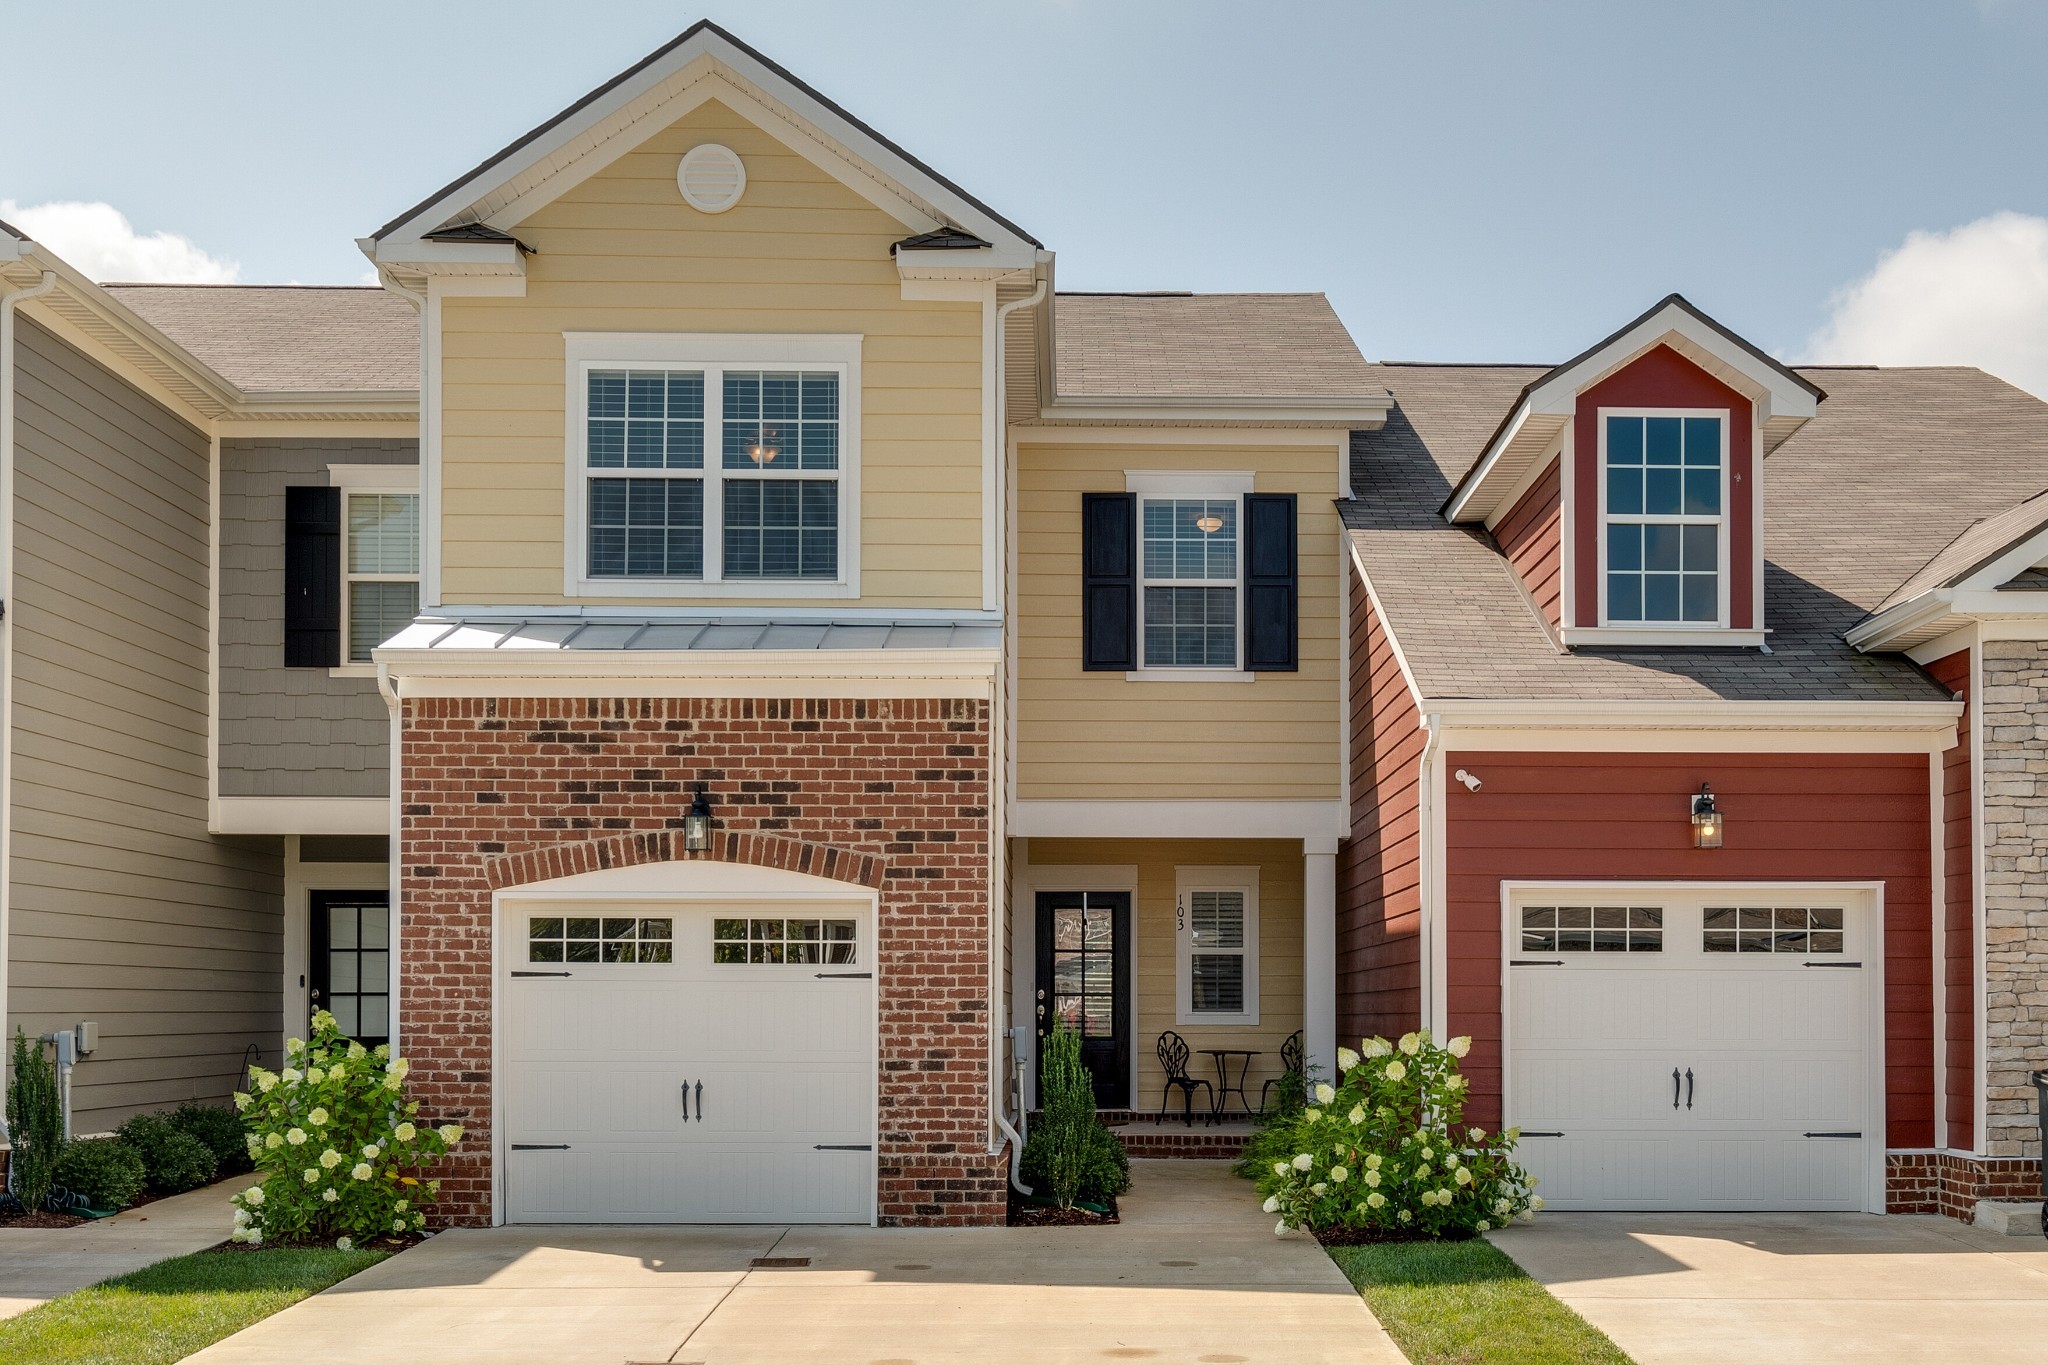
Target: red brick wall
[
  {"x": 1618, "y": 816},
  {"x": 1943, "y": 1182},
  {"x": 1379, "y": 906},
  {"x": 905, "y": 782},
  {"x": 1531, "y": 535},
  {"x": 1959, "y": 878}
]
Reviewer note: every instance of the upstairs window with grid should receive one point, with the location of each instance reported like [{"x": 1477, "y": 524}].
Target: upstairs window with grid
[
  {"x": 765, "y": 506},
  {"x": 1664, "y": 519},
  {"x": 1188, "y": 582},
  {"x": 380, "y": 568}
]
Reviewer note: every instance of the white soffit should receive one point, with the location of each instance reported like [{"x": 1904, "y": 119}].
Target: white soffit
[{"x": 704, "y": 63}]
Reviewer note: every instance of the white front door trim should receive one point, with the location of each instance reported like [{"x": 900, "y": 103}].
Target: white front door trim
[
  {"x": 1871, "y": 895},
  {"x": 689, "y": 884}
]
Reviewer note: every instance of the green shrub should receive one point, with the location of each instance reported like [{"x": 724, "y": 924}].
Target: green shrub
[
  {"x": 335, "y": 1145},
  {"x": 173, "y": 1161},
  {"x": 1386, "y": 1150},
  {"x": 35, "y": 1122},
  {"x": 221, "y": 1129},
  {"x": 1071, "y": 1154},
  {"x": 106, "y": 1172},
  {"x": 1274, "y": 1135}
]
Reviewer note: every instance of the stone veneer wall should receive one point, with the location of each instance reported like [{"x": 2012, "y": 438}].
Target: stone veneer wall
[
  {"x": 2015, "y": 720},
  {"x": 889, "y": 793}
]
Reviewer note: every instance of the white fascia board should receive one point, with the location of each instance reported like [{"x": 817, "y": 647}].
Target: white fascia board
[
  {"x": 2020, "y": 556},
  {"x": 1670, "y": 637},
  {"x": 1482, "y": 494},
  {"x": 1777, "y": 396},
  {"x": 713, "y": 665},
  {"x": 1036, "y": 819},
  {"x": 302, "y": 815},
  {"x": 1710, "y": 714},
  {"x": 1919, "y": 617}
]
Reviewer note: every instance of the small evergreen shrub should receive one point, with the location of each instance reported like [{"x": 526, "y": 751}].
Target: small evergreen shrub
[
  {"x": 336, "y": 1149},
  {"x": 1071, "y": 1154},
  {"x": 221, "y": 1129},
  {"x": 35, "y": 1122},
  {"x": 1386, "y": 1150},
  {"x": 106, "y": 1172},
  {"x": 173, "y": 1161}
]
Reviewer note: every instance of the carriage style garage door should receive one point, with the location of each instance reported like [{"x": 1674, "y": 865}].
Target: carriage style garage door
[
  {"x": 1694, "y": 1049},
  {"x": 668, "y": 1062}
]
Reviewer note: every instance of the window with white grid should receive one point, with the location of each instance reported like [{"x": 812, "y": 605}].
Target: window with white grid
[{"x": 1216, "y": 923}]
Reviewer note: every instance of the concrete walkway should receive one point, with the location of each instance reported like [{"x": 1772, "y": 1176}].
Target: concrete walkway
[
  {"x": 38, "y": 1264},
  {"x": 1715, "y": 1289},
  {"x": 1193, "y": 1273}
]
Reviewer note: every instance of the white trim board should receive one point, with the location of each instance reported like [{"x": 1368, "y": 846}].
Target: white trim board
[
  {"x": 1036, "y": 819},
  {"x": 302, "y": 815}
]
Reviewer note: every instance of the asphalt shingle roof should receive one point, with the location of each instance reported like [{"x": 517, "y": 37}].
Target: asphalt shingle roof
[
  {"x": 1897, "y": 465},
  {"x": 288, "y": 338},
  {"x": 1260, "y": 346}
]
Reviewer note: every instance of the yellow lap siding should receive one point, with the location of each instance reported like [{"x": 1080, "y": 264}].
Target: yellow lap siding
[
  {"x": 800, "y": 253},
  {"x": 1100, "y": 736}
]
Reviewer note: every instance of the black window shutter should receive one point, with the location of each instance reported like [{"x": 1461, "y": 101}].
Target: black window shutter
[
  {"x": 312, "y": 577},
  {"x": 1272, "y": 585},
  {"x": 1109, "y": 582}
]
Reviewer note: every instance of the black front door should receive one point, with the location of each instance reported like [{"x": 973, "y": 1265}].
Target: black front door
[
  {"x": 1084, "y": 978},
  {"x": 350, "y": 973}
]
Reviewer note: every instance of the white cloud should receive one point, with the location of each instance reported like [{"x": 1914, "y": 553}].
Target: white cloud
[
  {"x": 1975, "y": 295},
  {"x": 100, "y": 241}
]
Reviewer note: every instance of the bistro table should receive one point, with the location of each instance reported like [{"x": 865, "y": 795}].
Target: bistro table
[{"x": 1224, "y": 1089}]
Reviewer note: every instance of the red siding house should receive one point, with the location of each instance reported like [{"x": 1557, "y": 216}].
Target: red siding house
[{"x": 1671, "y": 786}]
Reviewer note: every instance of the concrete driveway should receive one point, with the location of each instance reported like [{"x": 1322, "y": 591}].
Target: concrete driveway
[
  {"x": 1714, "y": 1289},
  {"x": 1193, "y": 1273}
]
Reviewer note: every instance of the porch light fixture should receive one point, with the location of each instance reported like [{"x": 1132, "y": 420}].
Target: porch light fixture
[
  {"x": 697, "y": 824},
  {"x": 1209, "y": 525},
  {"x": 762, "y": 454},
  {"x": 1706, "y": 819}
]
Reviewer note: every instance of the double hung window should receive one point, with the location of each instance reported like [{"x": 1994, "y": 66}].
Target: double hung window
[
  {"x": 732, "y": 471},
  {"x": 380, "y": 554},
  {"x": 1188, "y": 581},
  {"x": 1216, "y": 920},
  {"x": 1664, "y": 501}
]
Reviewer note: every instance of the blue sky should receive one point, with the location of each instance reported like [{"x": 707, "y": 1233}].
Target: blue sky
[{"x": 1467, "y": 180}]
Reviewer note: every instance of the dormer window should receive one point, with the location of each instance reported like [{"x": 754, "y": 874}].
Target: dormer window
[{"x": 1664, "y": 532}]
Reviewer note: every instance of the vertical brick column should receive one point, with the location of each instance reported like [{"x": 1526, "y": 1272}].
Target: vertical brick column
[
  {"x": 2015, "y": 722},
  {"x": 892, "y": 793}
]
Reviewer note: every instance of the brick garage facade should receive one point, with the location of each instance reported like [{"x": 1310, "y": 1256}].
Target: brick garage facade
[
  {"x": 888, "y": 793},
  {"x": 1953, "y": 1182}
]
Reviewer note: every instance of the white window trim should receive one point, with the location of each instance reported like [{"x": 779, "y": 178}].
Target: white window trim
[
  {"x": 1164, "y": 484},
  {"x": 352, "y": 479},
  {"x": 711, "y": 352},
  {"x": 1187, "y": 880},
  {"x": 1723, "y": 540}
]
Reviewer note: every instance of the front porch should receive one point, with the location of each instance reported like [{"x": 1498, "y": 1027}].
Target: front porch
[{"x": 1127, "y": 940}]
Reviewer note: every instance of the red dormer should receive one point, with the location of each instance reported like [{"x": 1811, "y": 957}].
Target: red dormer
[{"x": 1626, "y": 485}]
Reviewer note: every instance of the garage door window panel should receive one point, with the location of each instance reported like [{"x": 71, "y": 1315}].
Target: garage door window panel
[
  {"x": 1772, "y": 929},
  {"x": 771, "y": 942},
  {"x": 1592, "y": 929},
  {"x": 600, "y": 938}
]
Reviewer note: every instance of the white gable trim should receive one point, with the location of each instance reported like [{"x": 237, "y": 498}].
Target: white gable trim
[
  {"x": 1974, "y": 597},
  {"x": 706, "y": 64}
]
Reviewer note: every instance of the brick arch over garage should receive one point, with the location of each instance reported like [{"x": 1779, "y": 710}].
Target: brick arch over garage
[{"x": 666, "y": 846}]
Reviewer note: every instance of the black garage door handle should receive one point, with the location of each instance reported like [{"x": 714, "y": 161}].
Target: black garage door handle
[{"x": 540, "y": 1146}]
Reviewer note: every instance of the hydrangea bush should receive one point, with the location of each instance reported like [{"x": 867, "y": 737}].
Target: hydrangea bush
[
  {"x": 1386, "y": 1150},
  {"x": 333, "y": 1138}
]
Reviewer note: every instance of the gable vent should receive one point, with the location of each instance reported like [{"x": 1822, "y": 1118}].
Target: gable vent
[{"x": 711, "y": 178}]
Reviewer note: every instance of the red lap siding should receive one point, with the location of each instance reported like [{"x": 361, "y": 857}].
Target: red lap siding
[
  {"x": 1531, "y": 536},
  {"x": 1624, "y": 817},
  {"x": 1379, "y": 983}
]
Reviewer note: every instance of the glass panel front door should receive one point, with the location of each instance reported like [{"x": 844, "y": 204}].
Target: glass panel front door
[
  {"x": 1084, "y": 981},
  {"x": 351, "y": 966}
]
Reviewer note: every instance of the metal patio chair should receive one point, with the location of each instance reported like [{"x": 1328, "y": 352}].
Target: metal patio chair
[
  {"x": 1172, "y": 1051},
  {"x": 1293, "y": 1062}
]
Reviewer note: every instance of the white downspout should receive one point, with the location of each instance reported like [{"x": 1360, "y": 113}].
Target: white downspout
[
  {"x": 999, "y": 1083},
  {"x": 1433, "y": 937},
  {"x": 8, "y": 303}
]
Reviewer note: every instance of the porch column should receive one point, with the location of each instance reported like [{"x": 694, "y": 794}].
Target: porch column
[{"x": 1319, "y": 955}]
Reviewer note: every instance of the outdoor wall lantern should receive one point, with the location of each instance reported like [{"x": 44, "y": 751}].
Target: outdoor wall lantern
[
  {"x": 1706, "y": 819},
  {"x": 697, "y": 824}
]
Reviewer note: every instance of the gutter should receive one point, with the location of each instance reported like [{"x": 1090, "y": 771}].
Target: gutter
[
  {"x": 8, "y": 304},
  {"x": 1435, "y": 1008}
]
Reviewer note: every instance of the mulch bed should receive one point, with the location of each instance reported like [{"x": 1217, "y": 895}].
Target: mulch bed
[
  {"x": 392, "y": 1243},
  {"x": 41, "y": 1218},
  {"x": 1024, "y": 1213},
  {"x": 1365, "y": 1237}
]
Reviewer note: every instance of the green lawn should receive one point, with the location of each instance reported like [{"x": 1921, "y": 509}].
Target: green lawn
[
  {"x": 171, "y": 1309},
  {"x": 1466, "y": 1303}
]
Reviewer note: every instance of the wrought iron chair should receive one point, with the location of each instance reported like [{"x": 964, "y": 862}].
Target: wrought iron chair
[
  {"x": 1172, "y": 1052},
  {"x": 1293, "y": 1062}
]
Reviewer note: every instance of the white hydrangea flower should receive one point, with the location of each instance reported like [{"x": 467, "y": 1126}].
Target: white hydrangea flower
[
  {"x": 362, "y": 1171},
  {"x": 1483, "y": 1225},
  {"x": 1501, "y": 1207},
  {"x": 381, "y": 1052},
  {"x": 239, "y": 1235},
  {"x": 273, "y": 1141},
  {"x": 318, "y": 1118},
  {"x": 398, "y": 1225},
  {"x": 451, "y": 1133},
  {"x": 312, "y": 1175},
  {"x": 1312, "y": 1115},
  {"x": 253, "y": 1196},
  {"x": 356, "y": 1052},
  {"x": 405, "y": 1132},
  {"x": 1376, "y": 1200},
  {"x": 1429, "y": 1154},
  {"x": 399, "y": 1067},
  {"x": 1372, "y": 1178},
  {"x": 1324, "y": 1094},
  {"x": 290, "y": 1075},
  {"x": 1280, "y": 1228},
  {"x": 1422, "y": 1172},
  {"x": 1450, "y": 1159},
  {"x": 401, "y": 1205},
  {"x": 1407, "y": 1217},
  {"x": 1456, "y": 1083},
  {"x": 344, "y": 1244},
  {"x": 241, "y": 1099},
  {"x": 296, "y": 1137},
  {"x": 1536, "y": 1203},
  {"x": 265, "y": 1082},
  {"x": 1319, "y": 1189},
  {"x": 1459, "y": 1045},
  {"x": 1463, "y": 1175},
  {"x": 330, "y": 1158},
  {"x": 1411, "y": 1043},
  {"x": 241, "y": 1218},
  {"x": 255, "y": 1237},
  {"x": 370, "y": 1151},
  {"x": 1476, "y": 1134},
  {"x": 1357, "y": 1114},
  {"x": 315, "y": 1075},
  {"x": 255, "y": 1144},
  {"x": 330, "y": 1195},
  {"x": 1346, "y": 1059},
  {"x": 1272, "y": 1204},
  {"x": 1377, "y": 1047},
  {"x": 1515, "y": 1134},
  {"x": 1396, "y": 1071},
  {"x": 1279, "y": 1168},
  {"x": 1303, "y": 1161},
  {"x": 1340, "y": 1174}
]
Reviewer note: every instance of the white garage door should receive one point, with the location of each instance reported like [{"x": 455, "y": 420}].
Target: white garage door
[
  {"x": 669, "y": 1063},
  {"x": 1694, "y": 1049}
]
